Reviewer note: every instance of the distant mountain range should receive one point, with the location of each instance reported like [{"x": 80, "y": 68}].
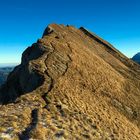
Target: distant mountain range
[
  {"x": 4, "y": 71},
  {"x": 3, "y": 65},
  {"x": 136, "y": 58}
]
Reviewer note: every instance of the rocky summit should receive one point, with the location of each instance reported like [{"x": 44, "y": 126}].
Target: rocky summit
[{"x": 71, "y": 85}]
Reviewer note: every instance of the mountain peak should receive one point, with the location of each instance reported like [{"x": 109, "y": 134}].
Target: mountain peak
[
  {"x": 136, "y": 57},
  {"x": 71, "y": 84},
  {"x": 57, "y": 28}
]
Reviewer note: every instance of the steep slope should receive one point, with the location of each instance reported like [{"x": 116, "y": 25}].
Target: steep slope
[
  {"x": 71, "y": 85},
  {"x": 136, "y": 58}
]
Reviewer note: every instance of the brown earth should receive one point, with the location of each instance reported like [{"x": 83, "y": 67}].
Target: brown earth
[{"x": 71, "y": 85}]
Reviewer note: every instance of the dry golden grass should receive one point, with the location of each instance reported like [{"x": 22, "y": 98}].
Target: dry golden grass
[{"x": 91, "y": 92}]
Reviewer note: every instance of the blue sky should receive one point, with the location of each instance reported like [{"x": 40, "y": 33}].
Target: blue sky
[{"x": 22, "y": 22}]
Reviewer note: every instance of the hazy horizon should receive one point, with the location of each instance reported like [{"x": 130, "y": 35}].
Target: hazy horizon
[
  {"x": 8, "y": 64},
  {"x": 23, "y": 22}
]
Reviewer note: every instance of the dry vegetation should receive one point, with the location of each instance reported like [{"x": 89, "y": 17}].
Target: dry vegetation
[{"x": 90, "y": 91}]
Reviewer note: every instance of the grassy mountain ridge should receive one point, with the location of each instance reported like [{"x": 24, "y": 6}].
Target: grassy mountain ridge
[{"x": 71, "y": 85}]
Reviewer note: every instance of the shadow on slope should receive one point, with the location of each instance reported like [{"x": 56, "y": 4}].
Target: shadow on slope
[
  {"x": 25, "y": 135},
  {"x": 24, "y": 78}
]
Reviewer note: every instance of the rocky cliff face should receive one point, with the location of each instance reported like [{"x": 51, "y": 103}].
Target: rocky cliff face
[{"x": 71, "y": 84}]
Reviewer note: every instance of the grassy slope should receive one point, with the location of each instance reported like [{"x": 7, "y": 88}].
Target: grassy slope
[{"x": 94, "y": 94}]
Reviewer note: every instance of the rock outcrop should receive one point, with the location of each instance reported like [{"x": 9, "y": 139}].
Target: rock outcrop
[{"x": 71, "y": 85}]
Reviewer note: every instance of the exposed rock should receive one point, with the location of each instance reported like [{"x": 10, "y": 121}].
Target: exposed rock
[{"x": 71, "y": 84}]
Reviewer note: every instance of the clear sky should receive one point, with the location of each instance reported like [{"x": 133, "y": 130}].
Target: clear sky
[{"x": 22, "y": 22}]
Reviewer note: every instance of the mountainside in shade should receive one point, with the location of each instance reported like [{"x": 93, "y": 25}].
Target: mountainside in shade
[
  {"x": 4, "y": 71},
  {"x": 136, "y": 58},
  {"x": 71, "y": 85}
]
